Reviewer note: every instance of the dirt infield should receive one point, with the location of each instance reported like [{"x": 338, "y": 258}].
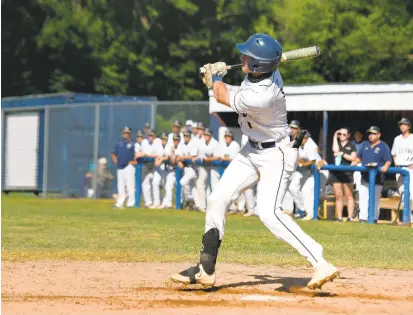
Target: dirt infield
[{"x": 59, "y": 287}]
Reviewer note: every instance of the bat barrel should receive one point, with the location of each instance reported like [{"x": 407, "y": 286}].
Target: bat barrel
[{"x": 301, "y": 53}]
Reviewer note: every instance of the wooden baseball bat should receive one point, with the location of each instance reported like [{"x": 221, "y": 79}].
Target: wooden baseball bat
[{"x": 302, "y": 53}]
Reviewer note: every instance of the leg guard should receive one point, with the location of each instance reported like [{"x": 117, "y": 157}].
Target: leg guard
[{"x": 209, "y": 252}]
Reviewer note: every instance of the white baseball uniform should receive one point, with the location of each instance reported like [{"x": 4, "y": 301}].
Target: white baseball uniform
[
  {"x": 165, "y": 175},
  {"x": 309, "y": 152},
  {"x": 230, "y": 151},
  {"x": 402, "y": 150},
  {"x": 148, "y": 170},
  {"x": 211, "y": 149},
  {"x": 170, "y": 138},
  {"x": 263, "y": 118},
  {"x": 188, "y": 180}
]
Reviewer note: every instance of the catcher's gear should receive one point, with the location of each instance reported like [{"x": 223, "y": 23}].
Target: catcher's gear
[{"x": 265, "y": 51}]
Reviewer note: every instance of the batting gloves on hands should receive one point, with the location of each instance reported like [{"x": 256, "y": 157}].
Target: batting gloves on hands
[{"x": 210, "y": 70}]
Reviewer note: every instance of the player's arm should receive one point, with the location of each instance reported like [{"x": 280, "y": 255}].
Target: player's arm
[
  {"x": 114, "y": 155},
  {"x": 336, "y": 148},
  {"x": 387, "y": 158},
  {"x": 221, "y": 91},
  {"x": 350, "y": 157},
  {"x": 306, "y": 163}
]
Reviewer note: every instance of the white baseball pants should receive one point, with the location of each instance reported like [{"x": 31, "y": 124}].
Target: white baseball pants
[
  {"x": 202, "y": 184},
  {"x": 188, "y": 183},
  {"x": 364, "y": 201},
  {"x": 271, "y": 168},
  {"x": 297, "y": 178},
  {"x": 166, "y": 178},
  {"x": 126, "y": 183},
  {"x": 147, "y": 176},
  {"x": 400, "y": 182},
  {"x": 308, "y": 191}
]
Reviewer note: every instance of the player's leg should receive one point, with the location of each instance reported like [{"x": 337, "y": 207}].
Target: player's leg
[
  {"x": 308, "y": 197},
  {"x": 214, "y": 175},
  {"x": 169, "y": 187},
  {"x": 156, "y": 187},
  {"x": 377, "y": 193},
  {"x": 189, "y": 175},
  {"x": 201, "y": 187},
  {"x": 251, "y": 197},
  {"x": 241, "y": 203},
  {"x": 364, "y": 201},
  {"x": 295, "y": 190},
  {"x": 275, "y": 171},
  {"x": 239, "y": 176},
  {"x": 130, "y": 185},
  {"x": 121, "y": 188},
  {"x": 147, "y": 185}
]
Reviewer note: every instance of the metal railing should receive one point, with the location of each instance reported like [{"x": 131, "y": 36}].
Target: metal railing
[{"x": 373, "y": 171}]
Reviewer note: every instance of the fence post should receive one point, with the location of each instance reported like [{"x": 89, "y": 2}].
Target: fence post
[
  {"x": 95, "y": 151},
  {"x": 316, "y": 203},
  {"x": 178, "y": 174},
  {"x": 372, "y": 193},
  {"x": 406, "y": 195},
  {"x": 138, "y": 186},
  {"x": 46, "y": 150}
]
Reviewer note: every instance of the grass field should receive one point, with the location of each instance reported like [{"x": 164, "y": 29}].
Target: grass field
[{"x": 55, "y": 229}]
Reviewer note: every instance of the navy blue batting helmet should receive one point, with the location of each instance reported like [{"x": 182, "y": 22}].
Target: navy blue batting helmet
[{"x": 265, "y": 51}]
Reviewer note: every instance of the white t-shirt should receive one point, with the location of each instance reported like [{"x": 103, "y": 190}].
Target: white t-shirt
[
  {"x": 403, "y": 150},
  {"x": 230, "y": 150},
  {"x": 212, "y": 149},
  {"x": 261, "y": 107},
  {"x": 152, "y": 148},
  {"x": 309, "y": 151},
  {"x": 192, "y": 148}
]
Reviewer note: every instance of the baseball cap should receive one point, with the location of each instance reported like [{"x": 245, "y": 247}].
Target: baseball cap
[
  {"x": 176, "y": 136},
  {"x": 404, "y": 121},
  {"x": 177, "y": 123},
  {"x": 139, "y": 133},
  {"x": 228, "y": 133},
  {"x": 151, "y": 133},
  {"x": 102, "y": 160},
  {"x": 294, "y": 124},
  {"x": 164, "y": 136},
  {"x": 189, "y": 123},
  {"x": 208, "y": 132},
  {"x": 127, "y": 129},
  {"x": 201, "y": 126},
  {"x": 373, "y": 129},
  {"x": 186, "y": 133},
  {"x": 307, "y": 134},
  {"x": 194, "y": 124},
  {"x": 147, "y": 125}
]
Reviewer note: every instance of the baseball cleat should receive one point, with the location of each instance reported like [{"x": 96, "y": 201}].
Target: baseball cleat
[
  {"x": 323, "y": 274},
  {"x": 195, "y": 275}
]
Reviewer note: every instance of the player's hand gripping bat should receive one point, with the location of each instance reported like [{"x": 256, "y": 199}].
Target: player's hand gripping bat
[{"x": 303, "y": 53}]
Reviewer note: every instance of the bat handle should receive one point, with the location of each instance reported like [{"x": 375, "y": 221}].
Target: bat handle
[{"x": 229, "y": 67}]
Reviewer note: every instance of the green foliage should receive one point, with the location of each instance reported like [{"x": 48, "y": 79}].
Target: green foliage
[{"x": 154, "y": 47}]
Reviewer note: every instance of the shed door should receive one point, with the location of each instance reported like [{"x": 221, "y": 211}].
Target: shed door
[{"x": 22, "y": 145}]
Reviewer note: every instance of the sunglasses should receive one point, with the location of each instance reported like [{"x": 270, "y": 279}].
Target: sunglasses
[
  {"x": 371, "y": 133},
  {"x": 342, "y": 134}
]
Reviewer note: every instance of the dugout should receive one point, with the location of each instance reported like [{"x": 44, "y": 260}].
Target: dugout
[
  {"x": 322, "y": 109},
  {"x": 68, "y": 150}
]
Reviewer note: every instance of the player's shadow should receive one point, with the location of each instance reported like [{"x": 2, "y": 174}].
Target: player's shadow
[{"x": 287, "y": 283}]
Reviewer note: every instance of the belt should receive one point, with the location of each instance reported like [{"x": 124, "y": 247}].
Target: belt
[{"x": 261, "y": 145}]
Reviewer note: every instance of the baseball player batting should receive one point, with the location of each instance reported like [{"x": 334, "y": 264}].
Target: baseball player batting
[{"x": 268, "y": 160}]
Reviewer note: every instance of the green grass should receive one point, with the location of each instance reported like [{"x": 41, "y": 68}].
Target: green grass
[{"x": 50, "y": 229}]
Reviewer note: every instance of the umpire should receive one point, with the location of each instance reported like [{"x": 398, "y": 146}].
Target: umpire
[{"x": 123, "y": 156}]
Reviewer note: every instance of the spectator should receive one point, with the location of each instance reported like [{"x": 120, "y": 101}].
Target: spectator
[
  {"x": 402, "y": 152},
  {"x": 189, "y": 178},
  {"x": 345, "y": 153},
  {"x": 303, "y": 189},
  {"x": 229, "y": 150},
  {"x": 209, "y": 151},
  {"x": 161, "y": 169},
  {"x": 359, "y": 141},
  {"x": 146, "y": 129},
  {"x": 194, "y": 129},
  {"x": 104, "y": 180},
  {"x": 176, "y": 128},
  {"x": 149, "y": 150},
  {"x": 123, "y": 157},
  {"x": 374, "y": 154}
]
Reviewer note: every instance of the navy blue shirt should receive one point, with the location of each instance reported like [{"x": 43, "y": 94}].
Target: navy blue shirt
[
  {"x": 125, "y": 152},
  {"x": 379, "y": 154}
]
